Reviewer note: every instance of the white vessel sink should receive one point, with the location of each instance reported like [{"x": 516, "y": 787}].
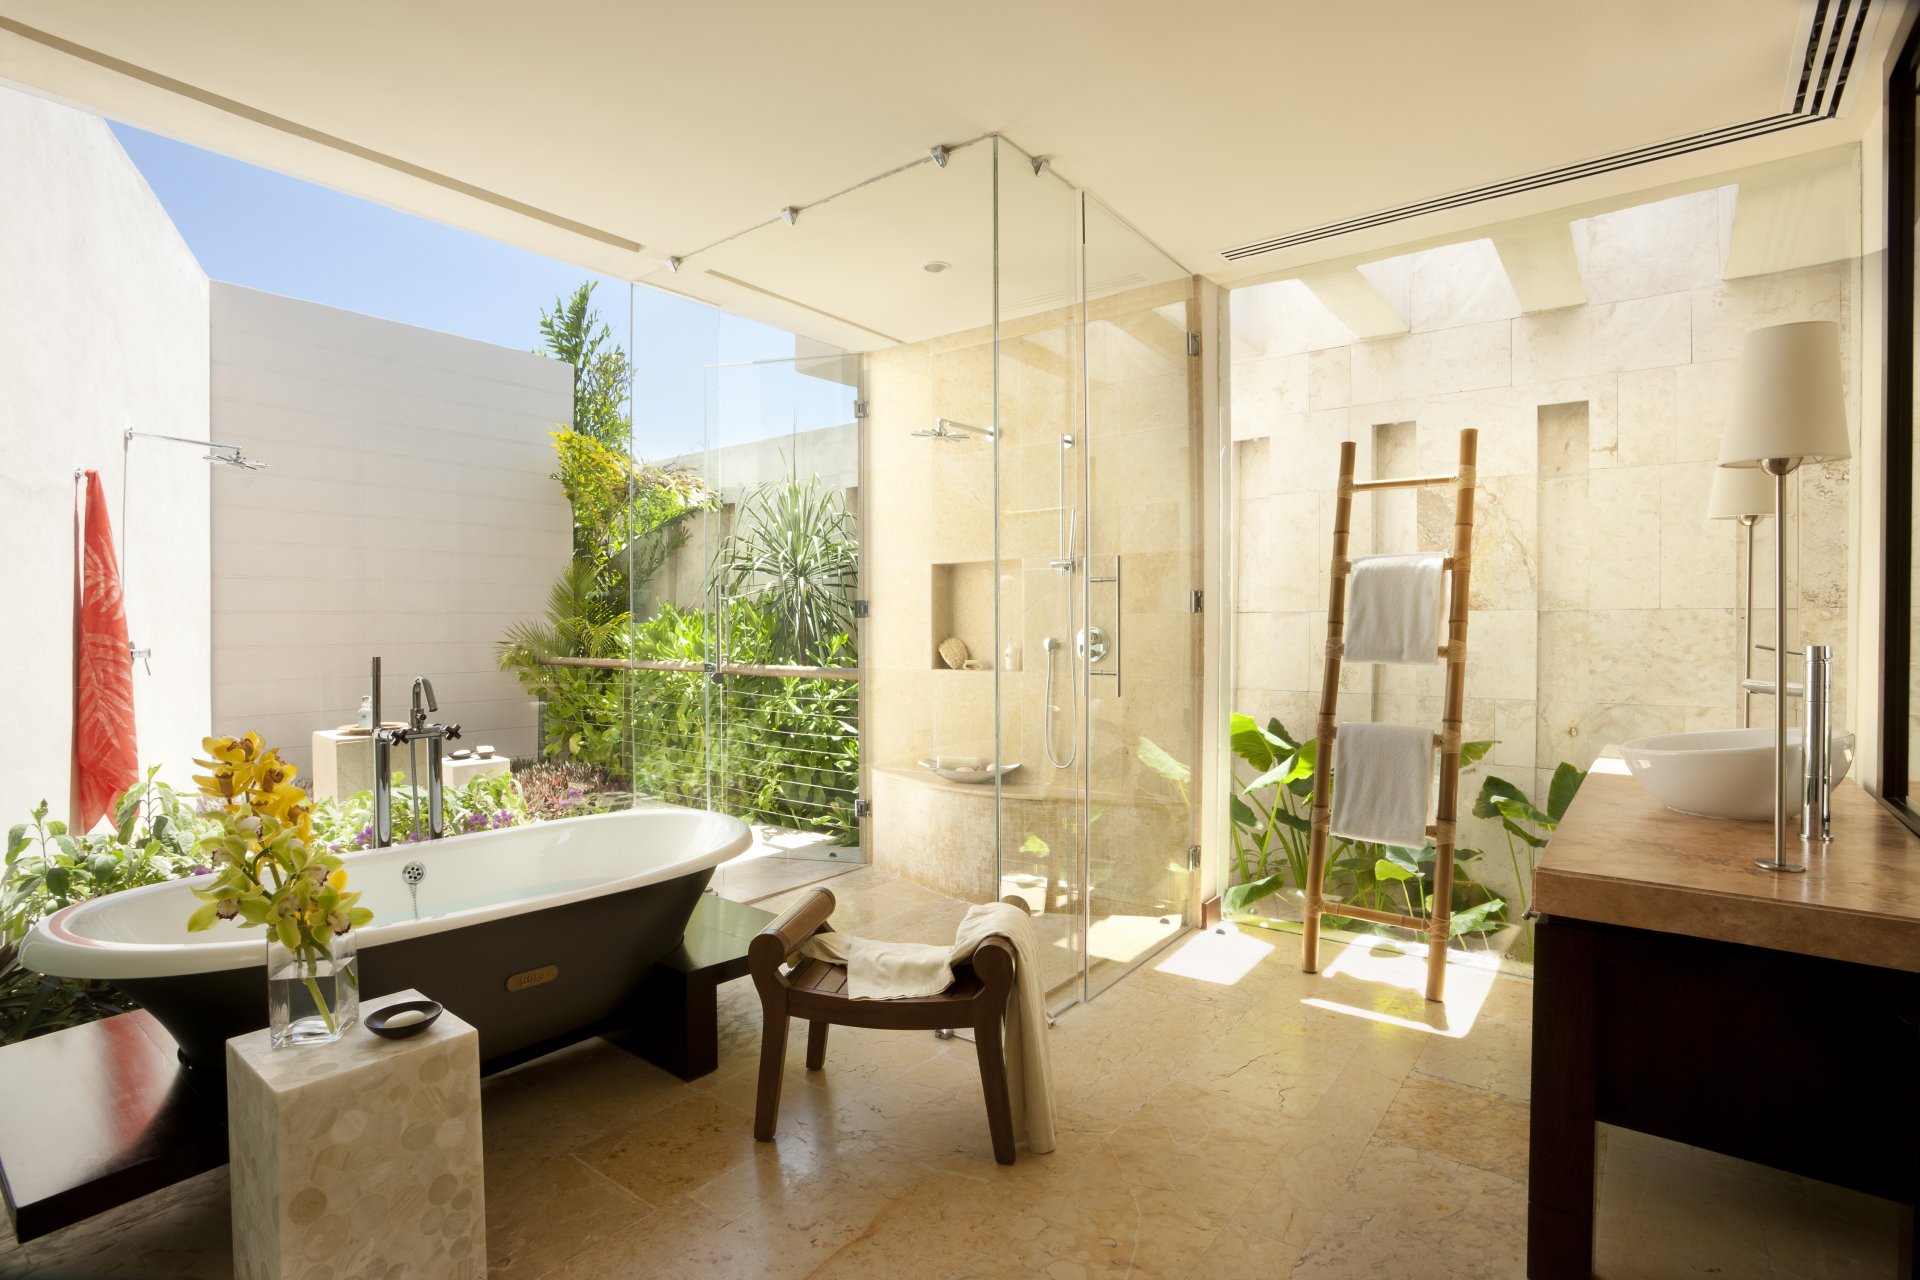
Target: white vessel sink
[{"x": 1723, "y": 773}]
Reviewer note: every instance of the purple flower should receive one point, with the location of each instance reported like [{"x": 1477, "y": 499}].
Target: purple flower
[{"x": 201, "y": 871}]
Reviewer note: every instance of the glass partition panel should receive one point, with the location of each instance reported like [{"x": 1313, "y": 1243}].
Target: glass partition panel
[
  {"x": 1039, "y": 564},
  {"x": 1139, "y": 643}
]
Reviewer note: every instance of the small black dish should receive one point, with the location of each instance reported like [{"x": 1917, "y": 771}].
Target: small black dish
[{"x": 378, "y": 1023}]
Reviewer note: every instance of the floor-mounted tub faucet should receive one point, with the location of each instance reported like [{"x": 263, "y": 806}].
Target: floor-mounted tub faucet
[{"x": 418, "y": 729}]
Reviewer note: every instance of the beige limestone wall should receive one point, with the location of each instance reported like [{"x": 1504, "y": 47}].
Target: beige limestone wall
[
  {"x": 1604, "y": 601},
  {"x": 931, "y": 554}
]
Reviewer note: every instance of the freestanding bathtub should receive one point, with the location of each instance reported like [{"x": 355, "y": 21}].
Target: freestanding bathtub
[{"x": 535, "y": 934}]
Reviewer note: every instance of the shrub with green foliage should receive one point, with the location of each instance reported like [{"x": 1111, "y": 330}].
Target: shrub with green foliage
[
  {"x": 1272, "y": 825},
  {"x": 154, "y": 837},
  {"x": 485, "y": 804},
  {"x": 772, "y": 749}
]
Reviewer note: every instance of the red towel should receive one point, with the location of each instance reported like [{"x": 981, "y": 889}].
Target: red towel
[{"x": 106, "y": 757}]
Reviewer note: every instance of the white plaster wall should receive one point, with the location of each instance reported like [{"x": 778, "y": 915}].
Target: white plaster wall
[
  {"x": 103, "y": 326},
  {"x": 1604, "y": 601},
  {"x": 408, "y": 511}
]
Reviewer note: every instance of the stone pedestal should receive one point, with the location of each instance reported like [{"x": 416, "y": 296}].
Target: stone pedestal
[
  {"x": 342, "y": 764},
  {"x": 458, "y": 773},
  {"x": 359, "y": 1158}
]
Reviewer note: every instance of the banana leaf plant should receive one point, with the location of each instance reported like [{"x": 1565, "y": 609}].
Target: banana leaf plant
[{"x": 1272, "y": 828}]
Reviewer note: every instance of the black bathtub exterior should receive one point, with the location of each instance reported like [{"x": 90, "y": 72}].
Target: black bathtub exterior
[{"x": 600, "y": 950}]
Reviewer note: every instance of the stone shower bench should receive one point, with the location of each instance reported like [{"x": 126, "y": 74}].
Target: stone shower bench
[{"x": 101, "y": 1114}]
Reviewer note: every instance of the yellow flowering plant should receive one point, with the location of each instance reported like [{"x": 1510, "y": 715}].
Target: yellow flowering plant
[{"x": 269, "y": 871}]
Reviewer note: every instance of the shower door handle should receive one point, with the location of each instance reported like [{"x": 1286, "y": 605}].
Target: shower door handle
[{"x": 1118, "y": 638}]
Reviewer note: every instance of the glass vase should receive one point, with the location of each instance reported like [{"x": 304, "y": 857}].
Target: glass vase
[{"x": 313, "y": 995}]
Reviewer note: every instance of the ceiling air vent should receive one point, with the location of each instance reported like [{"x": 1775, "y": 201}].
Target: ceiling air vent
[{"x": 1819, "y": 83}]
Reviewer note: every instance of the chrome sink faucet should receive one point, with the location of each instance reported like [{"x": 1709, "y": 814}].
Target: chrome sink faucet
[
  {"x": 1816, "y": 731},
  {"x": 418, "y": 729}
]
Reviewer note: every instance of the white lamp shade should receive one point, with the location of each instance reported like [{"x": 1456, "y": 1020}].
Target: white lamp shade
[
  {"x": 1740, "y": 492},
  {"x": 1787, "y": 404}
]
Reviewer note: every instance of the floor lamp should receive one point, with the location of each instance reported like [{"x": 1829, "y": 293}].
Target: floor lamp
[
  {"x": 1787, "y": 410},
  {"x": 1744, "y": 494}
]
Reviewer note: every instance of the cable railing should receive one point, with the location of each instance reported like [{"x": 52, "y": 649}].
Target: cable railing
[{"x": 774, "y": 743}]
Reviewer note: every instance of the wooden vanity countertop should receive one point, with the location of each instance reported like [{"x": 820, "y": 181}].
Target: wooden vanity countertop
[{"x": 1623, "y": 858}]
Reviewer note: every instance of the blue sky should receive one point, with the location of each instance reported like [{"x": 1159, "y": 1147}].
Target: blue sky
[{"x": 254, "y": 227}]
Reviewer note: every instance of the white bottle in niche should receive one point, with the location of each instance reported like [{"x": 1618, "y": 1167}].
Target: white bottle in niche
[
  {"x": 366, "y": 711},
  {"x": 1010, "y": 657}
]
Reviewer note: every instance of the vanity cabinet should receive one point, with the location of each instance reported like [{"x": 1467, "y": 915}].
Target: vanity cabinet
[{"x": 1681, "y": 991}]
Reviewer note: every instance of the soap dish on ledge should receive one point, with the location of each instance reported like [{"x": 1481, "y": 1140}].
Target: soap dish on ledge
[
  {"x": 407, "y": 1018},
  {"x": 983, "y": 772}
]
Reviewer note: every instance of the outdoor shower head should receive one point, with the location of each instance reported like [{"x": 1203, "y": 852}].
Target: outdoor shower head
[{"x": 229, "y": 454}]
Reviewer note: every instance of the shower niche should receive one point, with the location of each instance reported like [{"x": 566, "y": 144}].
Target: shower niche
[{"x": 962, "y": 595}]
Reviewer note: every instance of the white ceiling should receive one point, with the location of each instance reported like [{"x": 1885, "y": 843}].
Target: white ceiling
[{"x": 617, "y": 135}]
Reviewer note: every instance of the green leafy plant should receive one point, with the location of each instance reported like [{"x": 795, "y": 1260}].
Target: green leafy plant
[
  {"x": 628, "y": 516},
  {"x": 1525, "y": 826},
  {"x": 154, "y": 838},
  {"x": 585, "y": 716},
  {"x": 574, "y": 332},
  {"x": 1272, "y": 829},
  {"x": 792, "y": 550},
  {"x": 765, "y": 748},
  {"x": 485, "y": 804}
]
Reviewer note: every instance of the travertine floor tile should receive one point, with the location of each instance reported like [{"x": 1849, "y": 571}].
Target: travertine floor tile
[
  {"x": 1475, "y": 1127},
  {"x": 1222, "y": 1115}
]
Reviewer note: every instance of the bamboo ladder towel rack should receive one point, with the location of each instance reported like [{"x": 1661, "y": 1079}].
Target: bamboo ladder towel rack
[{"x": 1457, "y": 566}]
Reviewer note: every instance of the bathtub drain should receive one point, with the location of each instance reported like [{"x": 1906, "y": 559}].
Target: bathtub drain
[{"x": 413, "y": 873}]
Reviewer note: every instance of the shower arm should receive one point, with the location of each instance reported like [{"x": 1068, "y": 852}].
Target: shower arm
[
  {"x": 205, "y": 444},
  {"x": 127, "y": 438}
]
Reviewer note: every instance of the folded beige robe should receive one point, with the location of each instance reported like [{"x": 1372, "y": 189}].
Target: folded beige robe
[{"x": 903, "y": 970}]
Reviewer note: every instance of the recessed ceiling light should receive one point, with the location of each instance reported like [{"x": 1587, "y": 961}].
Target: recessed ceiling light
[{"x": 935, "y": 267}]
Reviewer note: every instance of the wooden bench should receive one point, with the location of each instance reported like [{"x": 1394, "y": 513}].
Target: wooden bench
[
  {"x": 816, "y": 990},
  {"x": 95, "y": 1116},
  {"x": 680, "y": 1028}
]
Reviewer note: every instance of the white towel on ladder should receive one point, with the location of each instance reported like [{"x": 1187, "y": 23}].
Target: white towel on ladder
[
  {"x": 1382, "y": 783},
  {"x": 1393, "y": 612}
]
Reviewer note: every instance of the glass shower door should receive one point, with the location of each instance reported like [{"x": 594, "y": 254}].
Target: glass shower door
[{"x": 1140, "y": 644}]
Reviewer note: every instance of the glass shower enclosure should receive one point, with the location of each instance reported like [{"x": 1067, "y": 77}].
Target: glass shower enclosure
[{"x": 1019, "y": 369}]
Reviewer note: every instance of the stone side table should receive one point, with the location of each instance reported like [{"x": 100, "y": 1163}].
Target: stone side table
[{"x": 359, "y": 1158}]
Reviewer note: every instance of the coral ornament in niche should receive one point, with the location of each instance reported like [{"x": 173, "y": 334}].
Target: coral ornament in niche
[{"x": 105, "y": 753}]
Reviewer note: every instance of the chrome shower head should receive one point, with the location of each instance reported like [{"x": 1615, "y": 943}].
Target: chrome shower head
[
  {"x": 948, "y": 429},
  {"x": 237, "y": 460}
]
